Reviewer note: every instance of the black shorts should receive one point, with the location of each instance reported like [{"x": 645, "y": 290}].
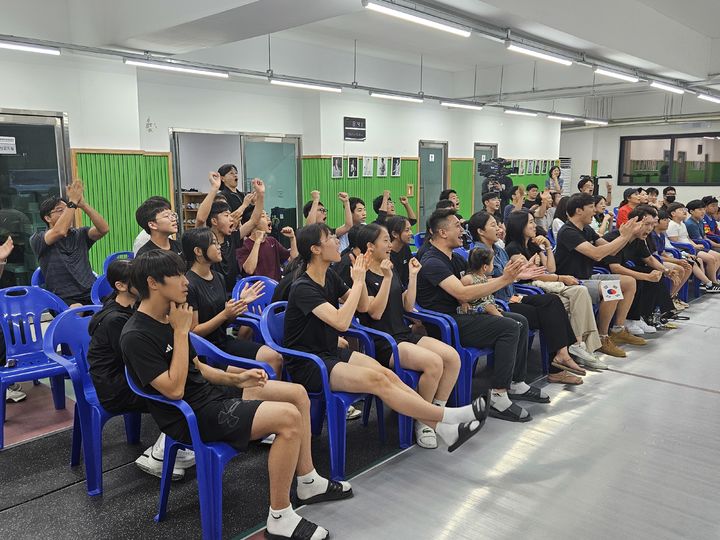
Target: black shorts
[
  {"x": 383, "y": 350},
  {"x": 124, "y": 401},
  {"x": 243, "y": 348},
  {"x": 227, "y": 420},
  {"x": 306, "y": 372},
  {"x": 83, "y": 299}
]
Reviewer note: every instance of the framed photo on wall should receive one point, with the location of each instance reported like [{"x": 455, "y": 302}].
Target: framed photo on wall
[
  {"x": 395, "y": 166},
  {"x": 367, "y": 162},
  {"x": 382, "y": 166},
  {"x": 353, "y": 167},
  {"x": 530, "y": 166},
  {"x": 521, "y": 167},
  {"x": 544, "y": 166},
  {"x": 537, "y": 167},
  {"x": 337, "y": 167}
]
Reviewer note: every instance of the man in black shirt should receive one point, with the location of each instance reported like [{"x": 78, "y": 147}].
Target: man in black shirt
[
  {"x": 440, "y": 289},
  {"x": 62, "y": 250},
  {"x": 578, "y": 248},
  {"x": 491, "y": 201},
  {"x": 158, "y": 220},
  {"x": 229, "y": 177},
  {"x": 385, "y": 207},
  {"x": 157, "y": 351},
  {"x": 647, "y": 272}
]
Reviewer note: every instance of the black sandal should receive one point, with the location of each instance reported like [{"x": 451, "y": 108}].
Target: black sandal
[
  {"x": 304, "y": 531},
  {"x": 533, "y": 394},
  {"x": 465, "y": 433},
  {"x": 334, "y": 492},
  {"x": 511, "y": 414},
  {"x": 481, "y": 412}
]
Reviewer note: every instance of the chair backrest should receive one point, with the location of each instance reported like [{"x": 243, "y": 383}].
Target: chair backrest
[
  {"x": 272, "y": 324},
  {"x": 119, "y": 255},
  {"x": 37, "y": 279},
  {"x": 21, "y": 312},
  {"x": 100, "y": 289},
  {"x": 256, "y": 307},
  {"x": 419, "y": 239},
  {"x": 464, "y": 253}
]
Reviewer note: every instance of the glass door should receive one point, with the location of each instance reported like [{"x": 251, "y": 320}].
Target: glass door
[
  {"x": 483, "y": 152},
  {"x": 33, "y": 165},
  {"x": 433, "y": 164},
  {"x": 276, "y": 161}
]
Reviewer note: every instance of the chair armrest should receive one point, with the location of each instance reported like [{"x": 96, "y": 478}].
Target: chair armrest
[
  {"x": 528, "y": 289},
  {"x": 387, "y": 337},
  {"x": 502, "y": 304},
  {"x": 436, "y": 319},
  {"x": 362, "y": 336},
  {"x": 685, "y": 247},
  {"x": 208, "y": 350},
  {"x": 704, "y": 243},
  {"x": 713, "y": 237}
]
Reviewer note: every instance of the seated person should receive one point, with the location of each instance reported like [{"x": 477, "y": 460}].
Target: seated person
[
  {"x": 62, "y": 250},
  {"x": 385, "y": 207},
  {"x": 680, "y": 269},
  {"x": 577, "y": 249},
  {"x": 452, "y": 196},
  {"x": 263, "y": 255},
  {"x": 517, "y": 201},
  {"x": 347, "y": 257},
  {"x": 107, "y": 369},
  {"x": 313, "y": 322},
  {"x": 712, "y": 215},
  {"x": 677, "y": 232},
  {"x": 491, "y": 203},
  {"x": 653, "y": 194},
  {"x": 401, "y": 235},
  {"x": 315, "y": 212},
  {"x": 647, "y": 272},
  {"x": 532, "y": 197},
  {"x": 695, "y": 224},
  {"x": 587, "y": 185},
  {"x": 603, "y": 220},
  {"x": 156, "y": 348},
  {"x": 438, "y": 363},
  {"x": 440, "y": 289},
  {"x": 14, "y": 393},
  {"x": 560, "y": 216},
  {"x": 669, "y": 195},
  {"x": 359, "y": 214},
  {"x": 157, "y": 219},
  {"x": 632, "y": 197},
  {"x": 212, "y": 312}
]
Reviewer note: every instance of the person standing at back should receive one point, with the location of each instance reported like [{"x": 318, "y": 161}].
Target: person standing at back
[{"x": 229, "y": 177}]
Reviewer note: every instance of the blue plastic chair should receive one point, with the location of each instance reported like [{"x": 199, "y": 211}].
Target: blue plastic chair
[
  {"x": 37, "y": 279},
  {"x": 69, "y": 332},
  {"x": 419, "y": 239},
  {"x": 218, "y": 358},
  {"x": 326, "y": 403},
  {"x": 129, "y": 255},
  {"x": 210, "y": 462},
  {"x": 256, "y": 308},
  {"x": 21, "y": 311},
  {"x": 464, "y": 253},
  {"x": 100, "y": 289}
]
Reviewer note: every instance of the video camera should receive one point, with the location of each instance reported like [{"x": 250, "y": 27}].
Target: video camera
[{"x": 496, "y": 172}]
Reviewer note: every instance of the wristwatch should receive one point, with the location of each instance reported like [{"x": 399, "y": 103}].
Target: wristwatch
[{"x": 71, "y": 204}]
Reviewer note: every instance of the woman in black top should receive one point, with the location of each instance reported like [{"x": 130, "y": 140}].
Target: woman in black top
[
  {"x": 400, "y": 237},
  {"x": 208, "y": 297},
  {"x": 438, "y": 363},
  {"x": 313, "y": 321}
]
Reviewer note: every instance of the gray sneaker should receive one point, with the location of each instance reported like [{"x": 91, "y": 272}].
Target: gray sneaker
[
  {"x": 585, "y": 358},
  {"x": 14, "y": 393}
]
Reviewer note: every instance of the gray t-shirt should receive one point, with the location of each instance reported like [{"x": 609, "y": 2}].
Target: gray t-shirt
[{"x": 65, "y": 264}]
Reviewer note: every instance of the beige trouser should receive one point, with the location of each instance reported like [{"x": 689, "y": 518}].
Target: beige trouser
[{"x": 576, "y": 300}]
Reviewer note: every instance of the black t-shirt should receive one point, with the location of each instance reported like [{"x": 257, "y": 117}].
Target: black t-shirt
[
  {"x": 208, "y": 299},
  {"x": 151, "y": 246},
  {"x": 436, "y": 267},
  {"x": 401, "y": 260},
  {"x": 228, "y": 267},
  {"x": 568, "y": 261},
  {"x": 342, "y": 269},
  {"x": 234, "y": 198},
  {"x": 147, "y": 348},
  {"x": 303, "y": 330},
  {"x": 382, "y": 217},
  {"x": 391, "y": 321},
  {"x": 636, "y": 252},
  {"x": 526, "y": 250},
  {"x": 104, "y": 356}
]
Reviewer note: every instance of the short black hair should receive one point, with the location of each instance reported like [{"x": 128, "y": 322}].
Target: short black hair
[
  {"x": 352, "y": 235},
  {"x": 377, "y": 202},
  {"x": 695, "y": 204},
  {"x": 709, "y": 199},
  {"x": 478, "y": 221},
  {"x": 584, "y": 181},
  {"x": 653, "y": 191},
  {"x": 147, "y": 211},
  {"x": 395, "y": 225},
  {"x": 445, "y": 194},
  {"x": 643, "y": 210},
  {"x": 308, "y": 206},
  {"x": 668, "y": 189},
  {"x": 201, "y": 237},
  {"x": 119, "y": 270},
  {"x": 531, "y": 186},
  {"x": 439, "y": 217},
  {"x": 218, "y": 207},
  {"x": 490, "y": 195},
  {"x": 515, "y": 189},
  {"x": 354, "y": 201},
  {"x": 48, "y": 205},
  {"x": 663, "y": 214},
  {"x": 224, "y": 169},
  {"x": 157, "y": 264},
  {"x": 444, "y": 203},
  {"x": 578, "y": 201},
  {"x": 479, "y": 257},
  {"x": 368, "y": 234},
  {"x": 674, "y": 206}
]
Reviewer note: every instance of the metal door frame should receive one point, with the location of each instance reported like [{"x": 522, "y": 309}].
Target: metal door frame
[{"x": 421, "y": 191}]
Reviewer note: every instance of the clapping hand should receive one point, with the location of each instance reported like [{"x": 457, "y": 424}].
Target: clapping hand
[{"x": 250, "y": 293}]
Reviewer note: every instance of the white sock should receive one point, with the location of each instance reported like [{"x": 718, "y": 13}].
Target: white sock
[
  {"x": 449, "y": 432},
  {"x": 615, "y": 329},
  {"x": 283, "y": 523},
  {"x": 500, "y": 400},
  {"x": 519, "y": 387},
  {"x": 439, "y": 402},
  {"x": 458, "y": 415},
  {"x": 311, "y": 484}
]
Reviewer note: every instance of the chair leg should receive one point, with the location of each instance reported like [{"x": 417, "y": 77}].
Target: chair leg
[
  {"x": 170, "y": 453},
  {"x": 367, "y": 406},
  {"x": 380, "y": 411},
  {"x": 91, "y": 430},
  {"x": 76, "y": 440},
  {"x": 132, "y": 427},
  {"x": 337, "y": 426},
  {"x": 544, "y": 355},
  {"x": 317, "y": 415},
  {"x": 209, "y": 475},
  {"x": 405, "y": 428},
  {"x": 3, "y": 390},
  {"x": 57, "y": 384}
]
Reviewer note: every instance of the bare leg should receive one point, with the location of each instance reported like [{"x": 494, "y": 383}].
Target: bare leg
[
  {"x": 451, "y": 365},
  {"x": 628, "y": 287},
  {"x": 711, "y": 264},
  {"x": 426, "y": 362},
  {"x": 272, "y": 357},
  {"x": 605, "y": 315}
]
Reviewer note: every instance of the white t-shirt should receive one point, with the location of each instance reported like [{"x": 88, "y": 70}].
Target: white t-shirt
[
  {"x": 679, "y": 230},
  {"x": 140, "y": 240},
  {"x": 556, "y": 224}
]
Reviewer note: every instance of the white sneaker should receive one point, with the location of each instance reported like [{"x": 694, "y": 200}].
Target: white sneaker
[
  {"x": 634, "y": 327},
  {"x": 353, "y": 413},
  {"x": 585, "y": 358},
  {"x": 269, "y": 439},
  {"x": 184, "y": 459},
  {"x": 148, "y": 463},
  {"x": 425, "y": 436},
  {"x": 648, "y": 329},
  {"x": 14, "y": 393}
]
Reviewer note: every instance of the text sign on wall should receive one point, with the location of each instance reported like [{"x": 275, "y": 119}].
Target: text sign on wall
[
  {"x": 354, "y": 128},
  {"x": 8, "y": 146}
]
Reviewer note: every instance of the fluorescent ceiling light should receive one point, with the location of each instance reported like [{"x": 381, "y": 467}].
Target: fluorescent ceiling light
[
  {"x": 596, "y": 122},
  {"x": 308, "y": 86},
  {"x": 710, "y": 138},
  {"x": 397, "y": 97},
  {"x": 711, "y": 99},
  {"x": 178, "y": 68},
  {"x": 519, "y": 112},
  {"x": 537, "y": 54},
  {"x": 407, "y": 15},
  {"x": 562, "y": 118},
  {"x": 667, "y": 87},
  {"x": 29, "y": 48},
  {"x": 461, "y": 105},
  {"x": 616, "y": 75}
]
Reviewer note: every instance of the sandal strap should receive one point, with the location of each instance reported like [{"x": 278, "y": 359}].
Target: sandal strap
[
  {"x": 334, "y": 487},
  {"x": 304, "y": 530}
]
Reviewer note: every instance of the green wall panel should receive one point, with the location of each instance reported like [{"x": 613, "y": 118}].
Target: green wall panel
[
  {"x": 461, "y": 180},
  {"x": 317, "y": 175},
  {"x": 115, "y": 185}
]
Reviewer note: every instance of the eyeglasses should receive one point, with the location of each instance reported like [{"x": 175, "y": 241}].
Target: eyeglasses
[
  {"x": 322, "y": 210},
  {"x": 172, "y": 216}
]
